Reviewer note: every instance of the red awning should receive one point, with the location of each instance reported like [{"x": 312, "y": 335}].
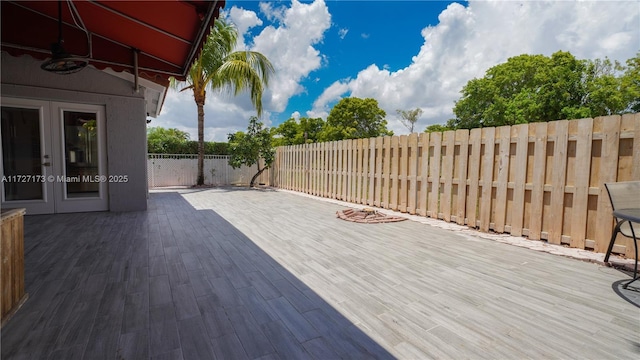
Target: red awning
[{"x": 166, "y": 35}]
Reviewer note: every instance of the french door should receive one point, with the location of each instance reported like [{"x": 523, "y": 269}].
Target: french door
[{"x": 53, "y": 156}]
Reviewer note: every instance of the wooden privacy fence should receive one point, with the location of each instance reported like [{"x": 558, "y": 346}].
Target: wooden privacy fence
[{"x": 540, "y": 180}]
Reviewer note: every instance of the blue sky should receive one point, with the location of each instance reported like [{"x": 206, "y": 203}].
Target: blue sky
[
  {"x": 405, "y": 54},
  {"x": 365, "y": 33}
]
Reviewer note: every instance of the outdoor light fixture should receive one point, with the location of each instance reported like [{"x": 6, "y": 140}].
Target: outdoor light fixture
[{"x": 61, "y": 62}]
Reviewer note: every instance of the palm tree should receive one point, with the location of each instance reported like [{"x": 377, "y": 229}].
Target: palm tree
[{"x": 220, "y": 68}]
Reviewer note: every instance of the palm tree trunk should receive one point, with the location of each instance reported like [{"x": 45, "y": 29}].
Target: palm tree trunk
[{"x": 200, "y": 180}]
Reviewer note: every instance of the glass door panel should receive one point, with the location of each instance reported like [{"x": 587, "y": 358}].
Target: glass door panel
[
  {"x": 79, "y": 140},
  {"x": 26, "y": 161},
  {"x": 81, "y": 154},
  {"x": 21, "y": 153}
]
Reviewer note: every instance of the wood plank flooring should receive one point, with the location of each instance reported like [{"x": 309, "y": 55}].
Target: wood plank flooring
[{"x": 258, "y": 274}]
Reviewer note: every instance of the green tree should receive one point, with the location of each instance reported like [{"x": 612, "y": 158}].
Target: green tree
[
  {"x": 309, "y": 130},
  {"x": 294, "y": 132},
  {"x": 174, "y": 141},
  {"x": 355, "y": 118},
  {"x": 210, "y": 148},
  {"x": 409, "y": 118},
  {"x": 285, "y": 133},
  {"x": 166, "y": 141},
  {"x": 220, "y": 68},
  {"x": 631, "y": 84},
  {"x": 437, "y": 128},
  {"x": 248, "y": 148},
  {"x": 530, "y": 88}
]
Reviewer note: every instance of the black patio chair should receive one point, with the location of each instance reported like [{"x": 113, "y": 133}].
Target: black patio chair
[{"x": 625, "y": 195}]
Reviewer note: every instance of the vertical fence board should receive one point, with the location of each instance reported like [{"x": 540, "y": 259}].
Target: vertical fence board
[
  {"x": 636, "y": 145},
  {"x": 322, "y": 176},
  {"x": 402, "y": 159},
  {"x": 307, "y": 168},
  {"x": 290, "y": 168},
  {"x": 330, "y": 169},
  {"x": 475, "y": 142},
  {"x": 340, "y": 190},
  {"x": 348, "y": 170},
  {"x": 522, "y": 147},
  {"x": 413, "y": 173},
  {"x": 308, "y": 186},
  {"x": 360, "y": 195},
  {"x": 289, "y": 164},
  {"x": 608, "y": 172},
  {"x": 449, "y": 143},
  {"x": 386, "y": 186},
  {"x": 318, "y": 170},
  {"x": 372, "y": 171},
  {"x": 317, "y": 166},
  {"x": 280, "y": 161},
  {"x": 296, "y": 175},
  {"x": 342, "y": 175},
  {"x": 581, "y": 192},
  {"x": 377, "y": 201},
  {"x": 334, "y": 169},
  {"x": 434, "y": 174},
  {"x": 424, "y": 174},
  {"x": 354, "y": 169},
  {"x": 462, "y": 137},
  {"x": 364, "y": 170},
  {"x": 312, "y": 169},
  {"x": 537, "y": 191},
  {"x": 558, "y": 181},
  {"x": 284, "y": 173},
  {"x": 331, "y": 163},
  {"x": 394, "y": 178},
  {"x": 633, "y": 119},
  {"x": 301, "y": 170},
  {"x": 489, "y": 135},
  {"x": 504, "y": 146},
  {"x": 364, "y": 177}
]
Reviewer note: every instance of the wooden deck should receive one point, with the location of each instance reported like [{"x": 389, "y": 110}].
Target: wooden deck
[{"x": 249, "y": 274}]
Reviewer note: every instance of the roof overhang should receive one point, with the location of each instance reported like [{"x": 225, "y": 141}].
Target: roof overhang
[{"x": 160, "y": 39}]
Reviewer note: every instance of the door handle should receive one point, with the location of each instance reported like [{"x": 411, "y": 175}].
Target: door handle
[{"x": 46, "y": 164}]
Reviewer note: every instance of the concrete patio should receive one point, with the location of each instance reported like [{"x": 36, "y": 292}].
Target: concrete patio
[{"x": 259, "y": 274}]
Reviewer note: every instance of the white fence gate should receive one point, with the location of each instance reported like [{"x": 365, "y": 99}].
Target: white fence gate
[{"x": 182, "y": 170}]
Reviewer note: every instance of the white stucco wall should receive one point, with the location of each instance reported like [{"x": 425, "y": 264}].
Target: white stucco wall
[{"x": 125, "y": 118}]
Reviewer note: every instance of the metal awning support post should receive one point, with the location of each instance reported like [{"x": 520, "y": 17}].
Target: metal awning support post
[{"x": 136, "y": 87}]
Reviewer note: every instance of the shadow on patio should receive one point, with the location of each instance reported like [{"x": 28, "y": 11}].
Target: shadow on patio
[
  {"x": 173, "y": 282},
  {"x": 264, "y": 274}
]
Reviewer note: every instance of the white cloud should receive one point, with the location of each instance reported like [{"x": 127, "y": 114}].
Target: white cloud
[
  {"x": 365, "y": 35},
  {"x": 290, "y": 47},
  {"x": 469, "y": 40},
  {"x": 343, "y": 32},
  {"x": 244, "y": 19},
  {"x": 273, "y": 13},
  {"x": 331, "y": 94},
  {"x": 288, "y": 44}
]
